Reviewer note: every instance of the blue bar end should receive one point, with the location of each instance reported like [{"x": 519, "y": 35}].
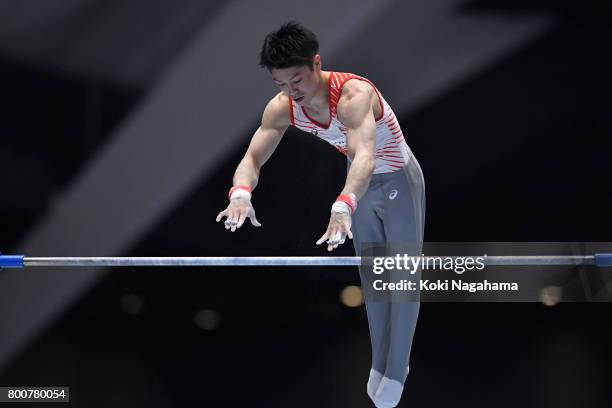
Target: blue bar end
[
  {"x": 11, "y": 261},
  {"x": 603, "y": 260}
]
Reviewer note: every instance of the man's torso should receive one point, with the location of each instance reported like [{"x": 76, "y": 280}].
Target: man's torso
[{"x": 392, "y": 153}]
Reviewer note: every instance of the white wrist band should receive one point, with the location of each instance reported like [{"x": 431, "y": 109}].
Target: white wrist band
[
  {"x": 340, "y": 207},
  {"x": 240, "y": 193}
]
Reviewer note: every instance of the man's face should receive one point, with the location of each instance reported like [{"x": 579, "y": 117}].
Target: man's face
[{"x": 299, "y": 82}]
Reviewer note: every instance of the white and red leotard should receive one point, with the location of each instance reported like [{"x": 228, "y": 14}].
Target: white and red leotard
[{"x": 392, "y": 152}]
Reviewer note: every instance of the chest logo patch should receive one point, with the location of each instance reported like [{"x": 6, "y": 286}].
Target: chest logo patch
[{"x": 393, "y": 194}]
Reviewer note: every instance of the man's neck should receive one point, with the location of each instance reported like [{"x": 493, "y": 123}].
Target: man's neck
[{"x": 320, "y": 101}]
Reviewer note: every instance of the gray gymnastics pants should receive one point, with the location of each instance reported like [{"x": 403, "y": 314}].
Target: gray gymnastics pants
[{"x": 391, "y": 212}]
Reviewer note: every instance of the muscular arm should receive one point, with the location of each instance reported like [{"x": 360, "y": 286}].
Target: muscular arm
[
  {"x": 274, "y": 122},
  {"x": 355, "y": 110}
]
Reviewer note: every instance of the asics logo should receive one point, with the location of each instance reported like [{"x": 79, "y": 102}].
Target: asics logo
[{"x": 393, "y": 194}]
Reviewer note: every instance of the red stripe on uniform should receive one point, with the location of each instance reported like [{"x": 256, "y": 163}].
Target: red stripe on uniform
[{"x": 392, "y": 161}]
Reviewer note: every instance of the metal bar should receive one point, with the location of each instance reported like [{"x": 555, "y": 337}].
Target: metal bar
[
  {"x": 284, "y": 261},
  {"x": 535, "y": 260},
  {"x": 19, "y": 261},
  {"x": 197, "y": 261}
]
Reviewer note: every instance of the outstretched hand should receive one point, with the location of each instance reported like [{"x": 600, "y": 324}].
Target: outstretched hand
[
  {"x": 338, "y": 229},
  {"x": 236, "y": 213}
]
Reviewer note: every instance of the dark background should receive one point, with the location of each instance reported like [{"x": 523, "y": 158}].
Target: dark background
[{"x": 518, "y": 152}]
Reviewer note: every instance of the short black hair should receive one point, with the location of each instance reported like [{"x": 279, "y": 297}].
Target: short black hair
[{"x": 291, "y": 45}]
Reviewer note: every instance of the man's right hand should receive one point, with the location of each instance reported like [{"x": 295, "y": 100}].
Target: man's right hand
[{"x": 238, "y": 210}]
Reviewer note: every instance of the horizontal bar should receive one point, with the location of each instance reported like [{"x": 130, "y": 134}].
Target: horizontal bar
[
  {"x": 198, "y": 261},
  {"x": 17, "y": 261}
]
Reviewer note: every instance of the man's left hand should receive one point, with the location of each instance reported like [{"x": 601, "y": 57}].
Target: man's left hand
[{"x": 338, "y": 229}]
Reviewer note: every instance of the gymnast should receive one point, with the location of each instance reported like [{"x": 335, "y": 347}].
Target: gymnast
[{"x": 383, "y": 199}]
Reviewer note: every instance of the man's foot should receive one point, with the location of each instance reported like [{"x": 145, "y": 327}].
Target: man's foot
[
  {"x": 388, "y": 394},
  {"x": 373, "y": 382}
]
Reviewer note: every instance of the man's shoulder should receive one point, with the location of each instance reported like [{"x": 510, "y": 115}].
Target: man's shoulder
[
  {"x": 358, "y": 96},
  {"x": 278, "y": 111},
  {"x": 280, "y": 101},
  {"x": 357, "y": 85},
  {"x": 355, "y": 91}
]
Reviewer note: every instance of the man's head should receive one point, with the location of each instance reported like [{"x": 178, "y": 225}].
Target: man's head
[{"x": 290, "y": 54}]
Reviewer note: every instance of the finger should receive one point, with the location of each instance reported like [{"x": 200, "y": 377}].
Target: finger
[
  {"x": 230, "y": 220},
  {"x": 343, "y": 234},
  {"x": 323, "y": 238},
  {"x": 330, "y": 245},
  {"x": 234, "y": 220},
  {"x": 221, "y": 214},
  {"x": 241, "y": 220},
  {"x": 350, "y": 234},
  {"x": 254, "y": 221},
  {"x": 237, "y": 216}
]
